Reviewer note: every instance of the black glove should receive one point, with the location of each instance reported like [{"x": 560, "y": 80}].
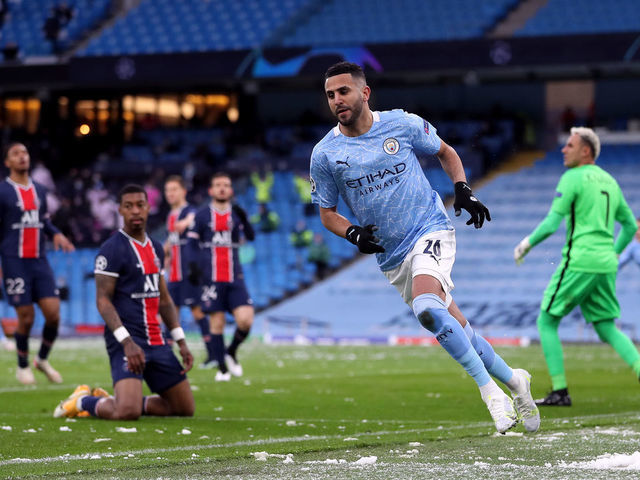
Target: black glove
[
  {"x": 465, "y": 199},
  {"x": 194, "y": 273},
  {"x": 247, "y": 228},
  {"x": 364, "y": 239},
  {"x": 239, "y": 211}
]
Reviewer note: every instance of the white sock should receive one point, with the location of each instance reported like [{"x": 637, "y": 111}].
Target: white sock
[
  {"x": 489, "y": 389},
  {"x": 79, "y": 402}
]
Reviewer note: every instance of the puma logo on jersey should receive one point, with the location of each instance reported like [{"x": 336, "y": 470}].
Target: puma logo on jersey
[{"x": 346, "y": 162}]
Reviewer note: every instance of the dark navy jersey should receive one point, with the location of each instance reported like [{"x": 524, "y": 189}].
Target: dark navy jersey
[
  {"x": 181, "y": 248},
  {"x": 24, "y": 220},
  {"x": 218, "y": 233},
  {"x": 137, "y": 268}
]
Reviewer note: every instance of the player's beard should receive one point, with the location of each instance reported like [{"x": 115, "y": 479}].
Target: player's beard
[
  {"x": 221, "y": 199},
  {"x": 356, "y": 111}
]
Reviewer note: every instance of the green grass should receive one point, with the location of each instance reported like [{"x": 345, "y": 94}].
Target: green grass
[{"x": 325, "y": 403}]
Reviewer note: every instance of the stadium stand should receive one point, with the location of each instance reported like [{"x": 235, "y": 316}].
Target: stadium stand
[
  {"x": 564, "y": 17},
  {"x": 382, "y": 21},
  {"x": 25, "y": 21},
  {"x": 166, "y": 26},
  {"x": 163, "y": 26}
]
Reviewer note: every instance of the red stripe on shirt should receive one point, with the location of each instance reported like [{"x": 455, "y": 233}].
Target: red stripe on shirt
[
  {"x": 29, "y": 236},
  {"x": 222, "y": 256},
  {"x": 175, "y": 265},
  {"x": 149, "y": 260}
]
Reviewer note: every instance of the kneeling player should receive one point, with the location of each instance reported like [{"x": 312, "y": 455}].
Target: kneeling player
[{"x": 131, "y": 291}]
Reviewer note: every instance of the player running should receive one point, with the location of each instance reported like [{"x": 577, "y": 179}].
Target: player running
[
  {"x": 180, "y": 253},
  {"x": 369, "y": 159},
  {"x": 217, "y": 228},
  {"x": 131, "y": 292},
  {"x": 28, "y": 277},
  {"x": 591, "y": 202}
]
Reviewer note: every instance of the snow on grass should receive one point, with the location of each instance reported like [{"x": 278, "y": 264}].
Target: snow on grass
[
  {"x": 126, "y": 430},
  {"x": 608, "y": 461}
]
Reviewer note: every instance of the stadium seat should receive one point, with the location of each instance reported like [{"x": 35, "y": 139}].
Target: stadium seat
[{"x": 592, "y": 16}]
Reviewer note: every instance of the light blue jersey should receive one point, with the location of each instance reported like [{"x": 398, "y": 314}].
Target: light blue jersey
[
  {"x": 632, "y": 252},
  {"x": 378, "y": 175}
]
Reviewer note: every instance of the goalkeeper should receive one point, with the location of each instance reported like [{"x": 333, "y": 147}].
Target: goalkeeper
[{"x": 590, "y": 201}]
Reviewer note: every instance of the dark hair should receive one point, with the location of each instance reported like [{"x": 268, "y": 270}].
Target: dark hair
[
  {"x": 7, "y": 147},
  {"x": 131, "y": 188},
  {"x": 218, "y": 175},
  {"x": 177, "y": 179},
  {"x": 345, "y": 67}
]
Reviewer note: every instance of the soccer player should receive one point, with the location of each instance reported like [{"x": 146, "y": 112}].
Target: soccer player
[
  {"x": 217, "y": 228},
  {"x": 369, "y": 159},
  {"x": 28, "y": 277},
  {"x": 180, "y": 253},
  {"x": 131, "y": 292},
  {"x": 591, "y": 202}
]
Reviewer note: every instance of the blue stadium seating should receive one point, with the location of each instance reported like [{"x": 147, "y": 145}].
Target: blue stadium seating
[
  {"x": 566, "y": 17},
  {"x": 24, "y": 23},
  {"x": 167, "y": 26},
  {"x": 391, "y": 21}
]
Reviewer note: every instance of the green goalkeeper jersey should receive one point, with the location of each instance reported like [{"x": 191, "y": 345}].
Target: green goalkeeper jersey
[{"x": 591, "y": 202}]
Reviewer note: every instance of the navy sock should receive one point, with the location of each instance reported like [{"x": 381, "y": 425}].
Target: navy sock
[
  {"x": 217, "y": 342},
  {"x": 49, "y": 334},
  {"x": 22, "y": 347},
  {"x": 203, "y": 323},
  {"x": 89, "y": 404},
  {"x": 238, "y": 337}
]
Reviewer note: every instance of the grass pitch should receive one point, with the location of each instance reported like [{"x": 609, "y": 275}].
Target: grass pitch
[{"x": 326, "y": 413}]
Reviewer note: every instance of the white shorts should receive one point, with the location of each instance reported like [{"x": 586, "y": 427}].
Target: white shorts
[{"x": 434, "y": 255}]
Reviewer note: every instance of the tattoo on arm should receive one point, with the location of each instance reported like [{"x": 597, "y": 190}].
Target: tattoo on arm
[
  {"x": 105, "y": 286},
  {"x": 167, "y": 308}
]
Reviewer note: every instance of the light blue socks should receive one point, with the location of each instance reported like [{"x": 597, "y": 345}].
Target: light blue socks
[
  {"x": 434, "y": 316},
  {"x": 493, "y": 362}
]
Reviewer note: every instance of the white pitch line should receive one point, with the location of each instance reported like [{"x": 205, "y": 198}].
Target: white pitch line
[
  {"x": 36, "y": 388},
  {"x": 187, "y": 448},
  {"x": 270, "y": 441}
]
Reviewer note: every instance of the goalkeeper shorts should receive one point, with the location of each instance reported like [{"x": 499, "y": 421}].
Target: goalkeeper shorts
[{"x": 595, "y": 293}]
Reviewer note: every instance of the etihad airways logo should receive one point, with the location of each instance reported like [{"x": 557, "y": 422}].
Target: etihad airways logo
[{"x": 381, "y": 175}]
